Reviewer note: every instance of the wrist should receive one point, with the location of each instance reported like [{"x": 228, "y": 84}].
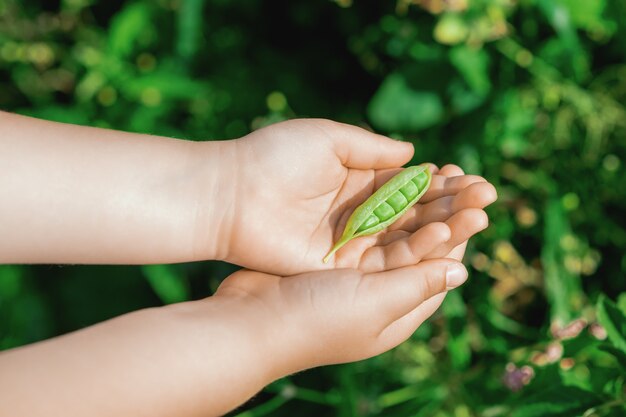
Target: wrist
[
  {"x": 230, "y": 348},
  {"x": 214, "y": 173},
  {"x": 280, "y": 339}
]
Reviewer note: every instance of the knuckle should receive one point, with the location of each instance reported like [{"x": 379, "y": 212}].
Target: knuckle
[{"x": 434, "y": 282}]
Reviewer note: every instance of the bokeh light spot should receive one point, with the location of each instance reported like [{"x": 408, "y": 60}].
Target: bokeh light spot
[{"x": 276, "y": 101}]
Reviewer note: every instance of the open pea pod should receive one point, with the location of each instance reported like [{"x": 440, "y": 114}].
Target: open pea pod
[{"x": 386, "y": 205}]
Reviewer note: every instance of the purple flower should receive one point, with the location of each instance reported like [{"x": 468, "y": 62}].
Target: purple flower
[{"x": 515, "y": 378}]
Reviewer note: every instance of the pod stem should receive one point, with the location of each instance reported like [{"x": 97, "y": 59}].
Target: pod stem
[{"x": 335, "y": 248}]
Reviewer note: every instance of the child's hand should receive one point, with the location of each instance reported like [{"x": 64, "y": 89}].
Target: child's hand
[
  {"x": 294, "y": 184},
  {"x": 342, "y": 315},
  {"x": 275, "y": 200},
  {"x": 203, "y": 358}
]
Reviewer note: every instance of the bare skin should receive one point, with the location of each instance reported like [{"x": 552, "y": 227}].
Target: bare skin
[
  {"x": 304, "y": 190},
  {"x": 273, "y": 201},
  {"x": 204, "y": 358}
]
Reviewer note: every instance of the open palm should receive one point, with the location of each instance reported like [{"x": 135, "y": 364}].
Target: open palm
[{"x": 297, "y": 182}]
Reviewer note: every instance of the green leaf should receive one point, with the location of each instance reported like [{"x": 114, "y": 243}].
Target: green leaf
[
  {"x": 462, "y": 99},
  {"x": 60, "y": 113},
  {"x": 168, "y": 86},
  {"x": 563, "y": 288},
  {"x": 618, "y": 354},
  {"x": 451, "y": 29},
  {"x": 506, "y": 324},
  {"x": 144, "y": 119},
  {"x": 458, "y": 337},
  {"x": 587, "y": 14},
  {"x": 10, "y": 282},
  {"x": 558, "y": 401},
  {"x": 127, "y": 26},
  {"x": 614, "y": 322},
  {"x": 189, "y": 27},
  {"x": 167, "y": 283},
  {"x": 621, "y": 302},
  {"x": 473, "y": 65},
  {"x": 266, "y": 408},
  {"x": 561, "y": 20},
  {"x": 398, "y": 107},
  {"x": 559, "y": 17}
]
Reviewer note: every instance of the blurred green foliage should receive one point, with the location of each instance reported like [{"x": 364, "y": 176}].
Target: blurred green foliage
[{"x": 528, "y": 93}]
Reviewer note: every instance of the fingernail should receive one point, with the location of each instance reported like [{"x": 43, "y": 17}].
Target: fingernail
[{"x": 456, "y": 275}]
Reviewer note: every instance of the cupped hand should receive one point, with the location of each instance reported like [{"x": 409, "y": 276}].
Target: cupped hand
[
  {"x": 292, "y": 186},
  {"x": 342, "y": 315}
]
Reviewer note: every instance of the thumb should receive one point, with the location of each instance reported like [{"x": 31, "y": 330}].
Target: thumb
[
  {"x": 402, "y": 290},
  {"x": 360, "y": 149}
]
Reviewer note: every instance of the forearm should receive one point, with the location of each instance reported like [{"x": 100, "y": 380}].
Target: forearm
[
  {"x": 185, "y": 360},
  {"x": 74, "y": 194}
]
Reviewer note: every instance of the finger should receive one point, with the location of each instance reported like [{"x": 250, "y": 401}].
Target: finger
[
  {"x": 244, "y": 281},
  {"x": 401, "y": 290},
  {"x": 360, "y": 149},
  {"x": 458, "y": 252},
  {"x": 432, "y": 168},
  {"x": 451, "y": 170},
  {"x": 442, "y": 186},
  {"x": 463, "y": 226},
  {"x": 477, "y": 195},
  {"x": 401, "y": 329},
  {"x": 405, "y": 251}
]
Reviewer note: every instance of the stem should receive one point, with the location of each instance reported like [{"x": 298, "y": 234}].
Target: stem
[
  {"x": 335, "y": 248},
  {"x": 610, "y": 404},
  {"x": 306, "y": 394},
  {"x": 265, "y": 408}
]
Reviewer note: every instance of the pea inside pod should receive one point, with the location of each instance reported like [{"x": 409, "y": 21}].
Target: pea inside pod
[{"x": 386, "y": 205}]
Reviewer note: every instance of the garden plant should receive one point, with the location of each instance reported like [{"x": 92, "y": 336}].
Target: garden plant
[{"x": 530, "y": 94}]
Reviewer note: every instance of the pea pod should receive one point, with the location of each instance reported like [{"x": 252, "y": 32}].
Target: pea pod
[{"x": 386, "y": 205}]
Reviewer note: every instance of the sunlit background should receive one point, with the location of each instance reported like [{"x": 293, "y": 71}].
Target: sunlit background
[{"x": 530, "y": 94}]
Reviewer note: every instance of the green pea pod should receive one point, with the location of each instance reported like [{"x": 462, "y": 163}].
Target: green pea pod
[{"x": 386, "y": 205}]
